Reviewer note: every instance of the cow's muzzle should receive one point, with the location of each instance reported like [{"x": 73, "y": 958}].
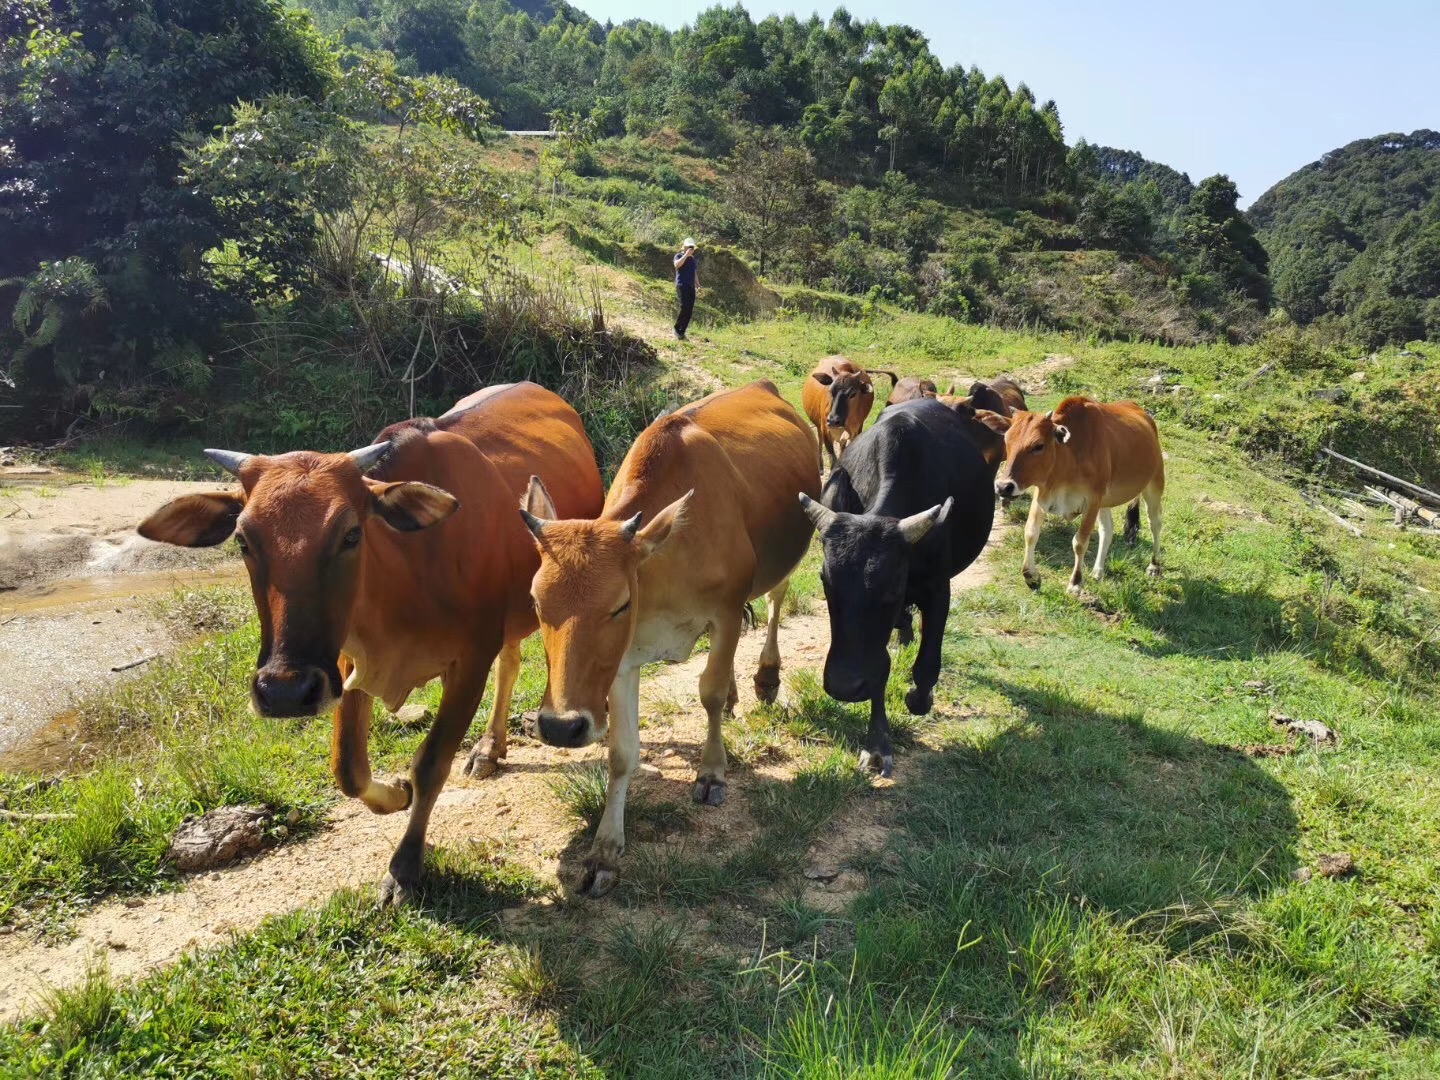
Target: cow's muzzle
[
  {"x": 572, "y": 729},
  {"x": 303, "y": 691},
  {"x": 835, "y": 421},
  {"x": 846, "y": 686},
  {"x": 1006, "y": 488}
]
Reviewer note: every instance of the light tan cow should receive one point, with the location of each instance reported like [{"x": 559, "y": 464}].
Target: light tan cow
[
  {"x": 1083, "y": 458},
  {"x": 701, "y": 518}
]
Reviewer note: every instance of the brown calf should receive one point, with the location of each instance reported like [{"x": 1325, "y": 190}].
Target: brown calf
[
  {"x": 701, "y": 518},
  {"x": 1082, "y": 459}
]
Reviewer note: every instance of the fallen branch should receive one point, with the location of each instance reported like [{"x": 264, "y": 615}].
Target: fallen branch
[
  {"x": 1414, "y": 489},
  {"x": 1353, "y": 528},
  {"x": 136, "y": 663},
  {"x": 1406, "y": 508},
  {"x": 16, "y": 815}
]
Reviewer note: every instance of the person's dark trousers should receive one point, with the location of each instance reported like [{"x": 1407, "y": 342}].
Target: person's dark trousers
[{"x": 686, "y": 293}]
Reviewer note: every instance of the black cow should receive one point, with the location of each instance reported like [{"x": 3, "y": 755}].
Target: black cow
[{"x": 908, "y": 507}]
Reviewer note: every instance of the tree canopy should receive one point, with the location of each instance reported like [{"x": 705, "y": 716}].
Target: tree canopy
[{"x": 1355, "y": 238}]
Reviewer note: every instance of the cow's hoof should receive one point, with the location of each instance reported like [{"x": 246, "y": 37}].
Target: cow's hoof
[
  {"x": 407, "y": 792},
  {"x": 482, "y": 762},
  {"x": 598, "y": 880},
  {"x": 708, "y": 791},
  {"x": 1033, "y": 580},
  {"x": 767, "y": 684},
  {"x": 397, "y": 892},
  {"x": 1073, "y": 589},
  {"x": 884, "y": 764},
  {"x": 1153, "y": 570},
  {"x": 918, "y": 701}
]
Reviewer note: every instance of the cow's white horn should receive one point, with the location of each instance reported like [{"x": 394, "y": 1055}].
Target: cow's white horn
[
  {"x": 367, "y": 457},
  {"x": 232, "y": 461},
  {"x": 914, "y": 527}
]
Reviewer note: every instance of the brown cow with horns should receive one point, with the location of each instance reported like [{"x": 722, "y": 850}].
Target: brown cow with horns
[
  {"x": 376, "y": 571},
  {"x": 837, "y": 397},
  {"x": 701, "y": 518}
]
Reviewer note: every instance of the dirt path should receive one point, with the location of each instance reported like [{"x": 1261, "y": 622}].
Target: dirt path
[
  {"x": 514, "y": 809},
  {"x": 75, "y": 585}
]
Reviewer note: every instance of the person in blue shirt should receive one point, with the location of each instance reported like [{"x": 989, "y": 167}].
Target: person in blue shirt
[{"x": 686, "y": 279}]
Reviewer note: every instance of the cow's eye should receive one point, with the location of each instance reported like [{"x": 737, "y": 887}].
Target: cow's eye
[
  {"x": 1036, "y": 448},
  {"x": 351, "y": 538},
  {"x": 620, "y": 610}
]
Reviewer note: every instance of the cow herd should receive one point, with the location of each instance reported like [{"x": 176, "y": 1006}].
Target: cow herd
[{"x": 376, "y": 571}]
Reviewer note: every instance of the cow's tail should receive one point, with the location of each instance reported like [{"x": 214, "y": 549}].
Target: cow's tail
[
  {"x": 1132, "y": 522},
  {"x": 748, "y": 620}
]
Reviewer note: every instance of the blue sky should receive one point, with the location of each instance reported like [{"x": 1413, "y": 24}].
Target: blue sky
[{"x": 1255, "y": 90}]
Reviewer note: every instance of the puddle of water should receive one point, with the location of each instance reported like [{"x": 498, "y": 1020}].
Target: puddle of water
[
  {"x": 56, "y": 596},
  {"x": 51, "y": 751}
]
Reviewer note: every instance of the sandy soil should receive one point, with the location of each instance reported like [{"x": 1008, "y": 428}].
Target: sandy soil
[
  {"x": 514, "y": 808},
  {"x": 75, "y": 585}
]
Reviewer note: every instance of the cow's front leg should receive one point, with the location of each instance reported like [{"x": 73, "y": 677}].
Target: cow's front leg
[
  {"x": 878, "y": 755},
  {"x": 767, "y": 674},
  {"x": 484, "y": 759},
  {"x": 602, "y": 866},
  {"x": 1080, "y": 545},
  {"x": 1032, "y": 537},
  {"x": 350, "y": 753},
  {"x": 464, "y": 686},
  {"x": 715, "y": 683},
  {"x": 934, "y": 611}
]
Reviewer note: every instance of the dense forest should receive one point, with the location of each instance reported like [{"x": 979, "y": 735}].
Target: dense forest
[
  {"x": 228, "y": 211},
  {"x": 1355, "y": 238}
]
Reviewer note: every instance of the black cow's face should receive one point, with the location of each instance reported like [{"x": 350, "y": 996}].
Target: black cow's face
[{"x": 865, "y": 572}]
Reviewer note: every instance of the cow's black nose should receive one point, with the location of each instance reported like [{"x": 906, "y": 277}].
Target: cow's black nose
[
  {"x": 1006, "y": 489},
  {"x": 834, "y": 421},
  {"x": 572, "y": 730},
  {"x": 289, "y": 693}
]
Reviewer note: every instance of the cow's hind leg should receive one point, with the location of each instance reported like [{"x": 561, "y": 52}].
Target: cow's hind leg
[
  {"x": 350, "y": 754},
  {"x": 1132, "y": 523},
  {"x": 905, "y": 626},
  {"x": 714, "y": 685},
  {"x": 602, "y": 865},
  {"x": 1106, "y": 520},
  {"x": 1080, "y": 545},
  {"x": 1152, "y": 511},
  {"x": 430, "y": 768},
  {"x": 767, "y": 675},
  {"x": 926, "y": 672},
  {"x": 485, "y": 757}
]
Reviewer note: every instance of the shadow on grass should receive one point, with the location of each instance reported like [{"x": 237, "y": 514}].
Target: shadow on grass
[{"x": 1071, "y": 824}]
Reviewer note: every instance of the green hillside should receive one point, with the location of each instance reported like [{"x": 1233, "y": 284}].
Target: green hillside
[{"x": 1354, "y": 238}]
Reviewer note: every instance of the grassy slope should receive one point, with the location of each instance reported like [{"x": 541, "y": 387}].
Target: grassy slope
[{"x": 1088, "y": 879}]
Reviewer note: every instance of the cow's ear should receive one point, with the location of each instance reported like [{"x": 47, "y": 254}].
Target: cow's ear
[
  {"x": 1062, "y": 433},
  {"x": 821, "y": 378},
  {"x": 409, "y": 506},
  {"x": 649, "y": 539},
  {"x": 194, "y": 520}
]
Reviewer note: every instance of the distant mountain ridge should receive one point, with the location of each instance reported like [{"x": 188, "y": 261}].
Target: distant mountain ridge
[{"x": 1355, "y": 237}]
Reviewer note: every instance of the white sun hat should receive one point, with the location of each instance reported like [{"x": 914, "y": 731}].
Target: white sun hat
[{"x": 688, "y": 242}]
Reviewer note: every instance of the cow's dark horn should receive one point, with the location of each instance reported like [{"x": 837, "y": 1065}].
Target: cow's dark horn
[
  {"x": 819, "y": 514},
  {"x": 232, "y": 461},
  {"x": 534, "y": 524},
  {"x": 631, "y": 527},
  {"x": 367, "y": 457}
]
